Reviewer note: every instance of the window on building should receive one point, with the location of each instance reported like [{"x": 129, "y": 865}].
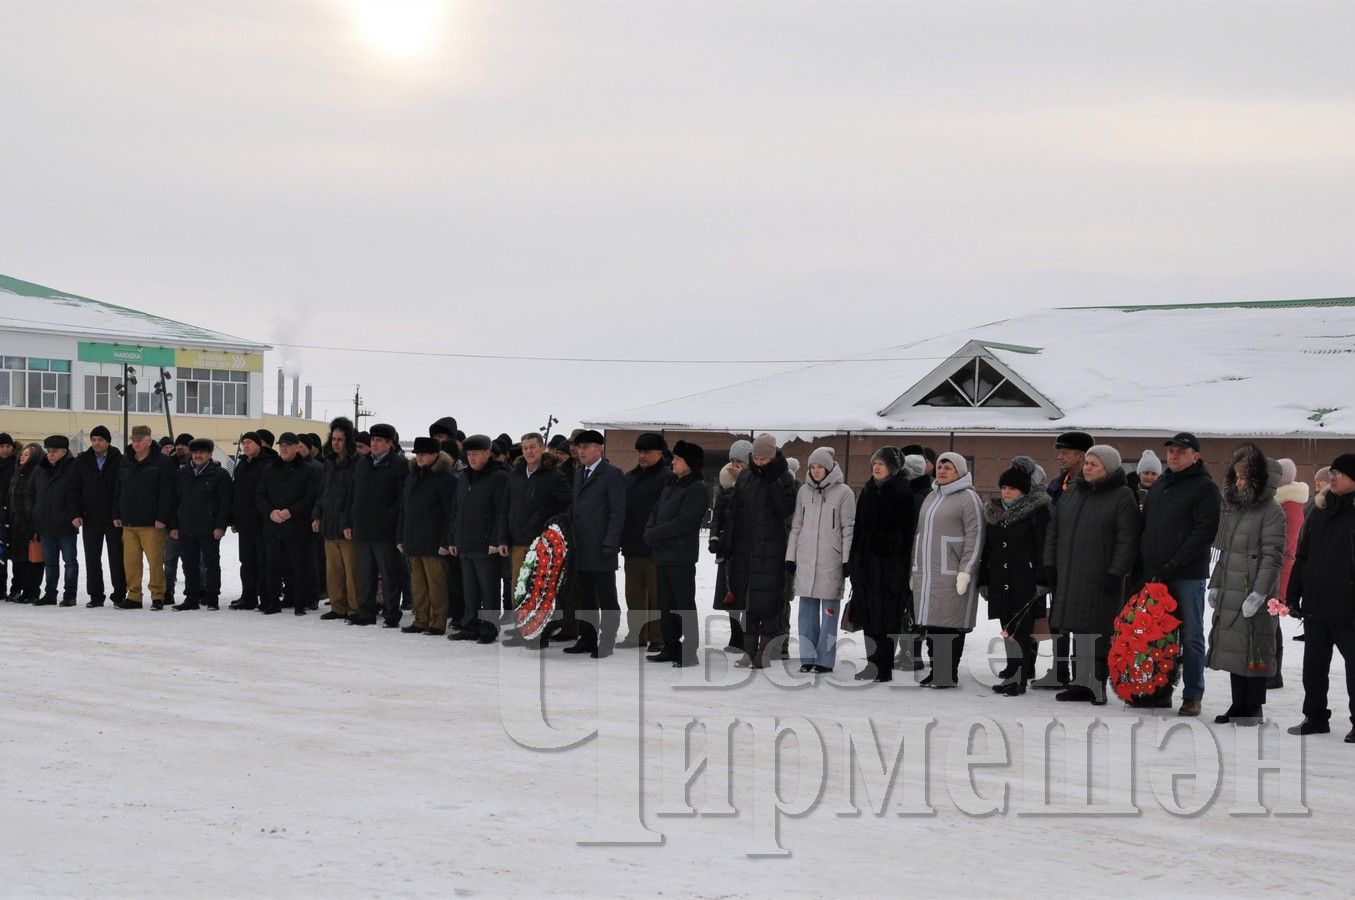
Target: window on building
[
  {"x": 35, "y": 383},
  {"x": 101, "y": 393},
  {"x": 211, "y": 392},
  {"x": 977, "y": 383}
]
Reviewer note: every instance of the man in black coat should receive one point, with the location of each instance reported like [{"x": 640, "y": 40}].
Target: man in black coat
[
  {"x": 1320, "y": 593},
  {"x": 97, "y": 471},
  {"x": 246, "y": 519},
  {"x": 378, "y": 487},
  {"x": 598, "y": 513},
  {"x": 286, "y": 497},
  {"x": 333, "y": 520},
  {"x": 480, "y": 540},
  {"x": 142, "y": 507},
  {"x": 756, "y": 532},
  {"x": 673, "y": 534},
  {"x": 424, "y": 534},
  {"x": 202, "y": 515},
  {"x": 537, "y": 493},
  {"x": 644, "y": 484},
  {"x": 8, "y": 462},
  {"x": 1070, "y": 450},
  {"x": 54, "y": 498},
  {"x": 1180, "y": 521},
  {"x": 179, "y": 456}
]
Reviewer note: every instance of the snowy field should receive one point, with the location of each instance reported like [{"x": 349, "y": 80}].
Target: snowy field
[{"x": 232, "y": 754}]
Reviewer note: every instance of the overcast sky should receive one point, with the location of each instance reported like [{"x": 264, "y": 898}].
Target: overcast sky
[{"x": 672, "y": 180}]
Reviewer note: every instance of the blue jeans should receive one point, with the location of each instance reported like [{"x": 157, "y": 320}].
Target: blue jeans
[
  {"x": 65, "y": 545},
  {"x": 1189, "y": 594},
  {"x": 818, "y": 631}
]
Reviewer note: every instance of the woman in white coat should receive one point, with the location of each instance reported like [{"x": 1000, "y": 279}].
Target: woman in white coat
[
  {"x": 946, "y": 555},
  {"x": 817, "y": 557}
]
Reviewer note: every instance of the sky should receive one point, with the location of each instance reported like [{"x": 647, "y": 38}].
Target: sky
[{"x": 710, "y": 182}]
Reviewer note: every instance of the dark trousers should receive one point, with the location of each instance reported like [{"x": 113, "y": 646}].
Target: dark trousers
[
  {"x": 4, "y": 578},
  {"x": 290, "y": 557},
  {"x": 321, "y": 579},
  {"x": 456, "y": 591},
  {"x": 1319, "y": 639},
  {"x": 58, "y": 553},
  {"x": 253, "y": 564},
  {"x": 1022, "y": 661},
  {"x": 27, "y": 575},
  {"x": 880, "y": 649},
  {"x": 201, "y": 568},
  {"x": 677, "y": 609},
  {"x": 171, "y": 567},
  {"x": 481, "y": 585},
  {"x": 943, "y": 642},
  {"x": 1061, "y": 671},
  {"x": 94, "y": 538},
  {"x": 1089, "y": 663},
  {"x": 1249, "y": 695},
  {"x": 379, "y": 559},
  {"x": 599, "y": 608}
]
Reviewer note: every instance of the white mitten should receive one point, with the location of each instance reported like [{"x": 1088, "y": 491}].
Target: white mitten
[
  {"x": 962, "y": 583},
  {"x": 1213, "y": 598},
  {"x": 1252, "y": 605}
]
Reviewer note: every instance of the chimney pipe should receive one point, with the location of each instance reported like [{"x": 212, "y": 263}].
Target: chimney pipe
[
  {"x": 308, "y": 401},
  {"x": 282, "y": 390},
  {"x": 296, "y": 398}
]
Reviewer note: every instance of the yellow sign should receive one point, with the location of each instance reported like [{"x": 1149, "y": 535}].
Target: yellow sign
[{"x": 215, "y": 359}]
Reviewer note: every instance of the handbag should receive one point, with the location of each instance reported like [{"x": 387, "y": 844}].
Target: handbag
[
  {"x": 34, "y": 550},
  {"x": 847, "y": 622}
]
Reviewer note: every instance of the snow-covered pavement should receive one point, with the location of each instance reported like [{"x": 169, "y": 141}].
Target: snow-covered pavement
[{"x": 235, "y": 754}]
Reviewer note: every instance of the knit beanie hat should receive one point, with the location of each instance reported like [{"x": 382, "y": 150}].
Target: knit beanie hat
[
  {"x": 1289, "y": 472},
  {"x": 1149, "y": 462},
  {"x": 1109, "y": 456},
  {"x": 1345, "y": 464},
  {"x": 740, "y": 451},
  {"x": 764, "y": 445},
  {"x": 1015, "y": 478},
  {"x": 100, "y": 431},
  {"x": 955, "y": 460},
  {"x": 890, "y": 456},
  {"x": 1323, "y": 474},
  {"x": 823, "y": 456},
  {"x": 794, "y": 465},
  {"x": 1038, "y": 478},
  {"x": 914, "y": 466}
]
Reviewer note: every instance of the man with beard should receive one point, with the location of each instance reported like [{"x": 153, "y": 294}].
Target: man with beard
[{"x": 97, "y": 472}]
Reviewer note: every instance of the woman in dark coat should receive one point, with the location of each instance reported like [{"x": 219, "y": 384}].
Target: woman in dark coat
[
  {"x": 1012, "y": 572},
  {"x": 756, "y": 531},
  {"x": 21, "y": 529},
  {"x": 1089, "y": 550},
  {"x": 882, "y": 548}
]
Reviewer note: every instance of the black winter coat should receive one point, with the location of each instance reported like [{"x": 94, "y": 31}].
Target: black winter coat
[
  {"x": 98, "y": 487},
  {"x": 882, "y": 552},
  {"x": 481, "y": 510},
  {"x": 293, "y": 486},
  {"x": 377, "y": 491},
  {"x": 334, "y": 509},
  {"x": 757, "y": 529},
  {"x": 428, "y": 509},
  {"x": 203, "y": 500},
  {"x": 7, "y": 467},
  {"x": 18, "y": 510},
  {"x": 1013, "y": 556},
  {"x": 534, "y": 501},
  {"x": 145, "y": 492},
  {"x": 54, "y": 497},
  {"x": 1323, "y": 579},
  {"x": 673, "y": 532},
  {"x": 1180, "y": 522},
  {"x": 1091, "y": 545},
  {"x": 920, "y": 487},
  {"x": 244, "y": 495},
  {"x": 598, "y": 513},
  {"x": 643, "y": 487}
]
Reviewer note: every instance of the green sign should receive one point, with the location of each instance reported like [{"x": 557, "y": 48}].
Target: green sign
[{"x": 125, "y": 353}]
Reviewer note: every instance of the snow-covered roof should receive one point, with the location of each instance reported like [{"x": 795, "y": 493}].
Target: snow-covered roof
[
  {"x": 1265, "y": 368},
  {"x": 32, "y": 307}
]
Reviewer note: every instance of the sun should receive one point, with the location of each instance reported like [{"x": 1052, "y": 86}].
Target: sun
[{"x": 399, "y": 28}]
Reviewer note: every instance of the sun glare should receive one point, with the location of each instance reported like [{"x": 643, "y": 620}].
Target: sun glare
[{"x": 399, "y": 28}]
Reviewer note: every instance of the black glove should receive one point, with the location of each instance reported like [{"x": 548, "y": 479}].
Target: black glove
[
  {"x": 790, "y": 568},
  {"x": 713, "y": 545},
  {"x": 848, "y": 569}
]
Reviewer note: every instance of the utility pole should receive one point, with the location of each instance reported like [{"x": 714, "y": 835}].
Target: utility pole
[
  {"x": 359, "y": 413},
  {"x": 545, "y": 429},
  {"x": 162, "y": 388},
  {"x": 126, "y": 391}
]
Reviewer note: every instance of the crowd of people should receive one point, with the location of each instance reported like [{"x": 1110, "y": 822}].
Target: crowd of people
[{"x": 444, "y": 532}]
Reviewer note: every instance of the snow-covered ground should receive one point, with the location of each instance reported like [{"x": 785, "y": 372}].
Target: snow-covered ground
[{"x": 235, "y": 754}]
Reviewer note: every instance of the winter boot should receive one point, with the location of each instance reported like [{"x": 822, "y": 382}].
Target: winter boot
[{"x": 736, "y": 639}]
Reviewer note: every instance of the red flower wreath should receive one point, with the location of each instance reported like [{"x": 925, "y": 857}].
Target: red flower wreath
[
  {"x": 539, "y": 582},
  {"x": 1147, "y": 643}
]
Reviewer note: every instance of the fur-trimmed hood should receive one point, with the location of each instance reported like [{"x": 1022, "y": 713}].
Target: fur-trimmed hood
[
  {"x": 442, "y": 464},
  {"x": 1297, "y": 492},
  {"x": 350, "y": 437},
  {"x": 1263, "y": 477},
  {"x": 997, "y": 514}
]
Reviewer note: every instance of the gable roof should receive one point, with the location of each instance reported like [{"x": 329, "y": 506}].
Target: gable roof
[
  {"x": 25, "y": 306},
  {"x": 1264, "y": 368}
]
